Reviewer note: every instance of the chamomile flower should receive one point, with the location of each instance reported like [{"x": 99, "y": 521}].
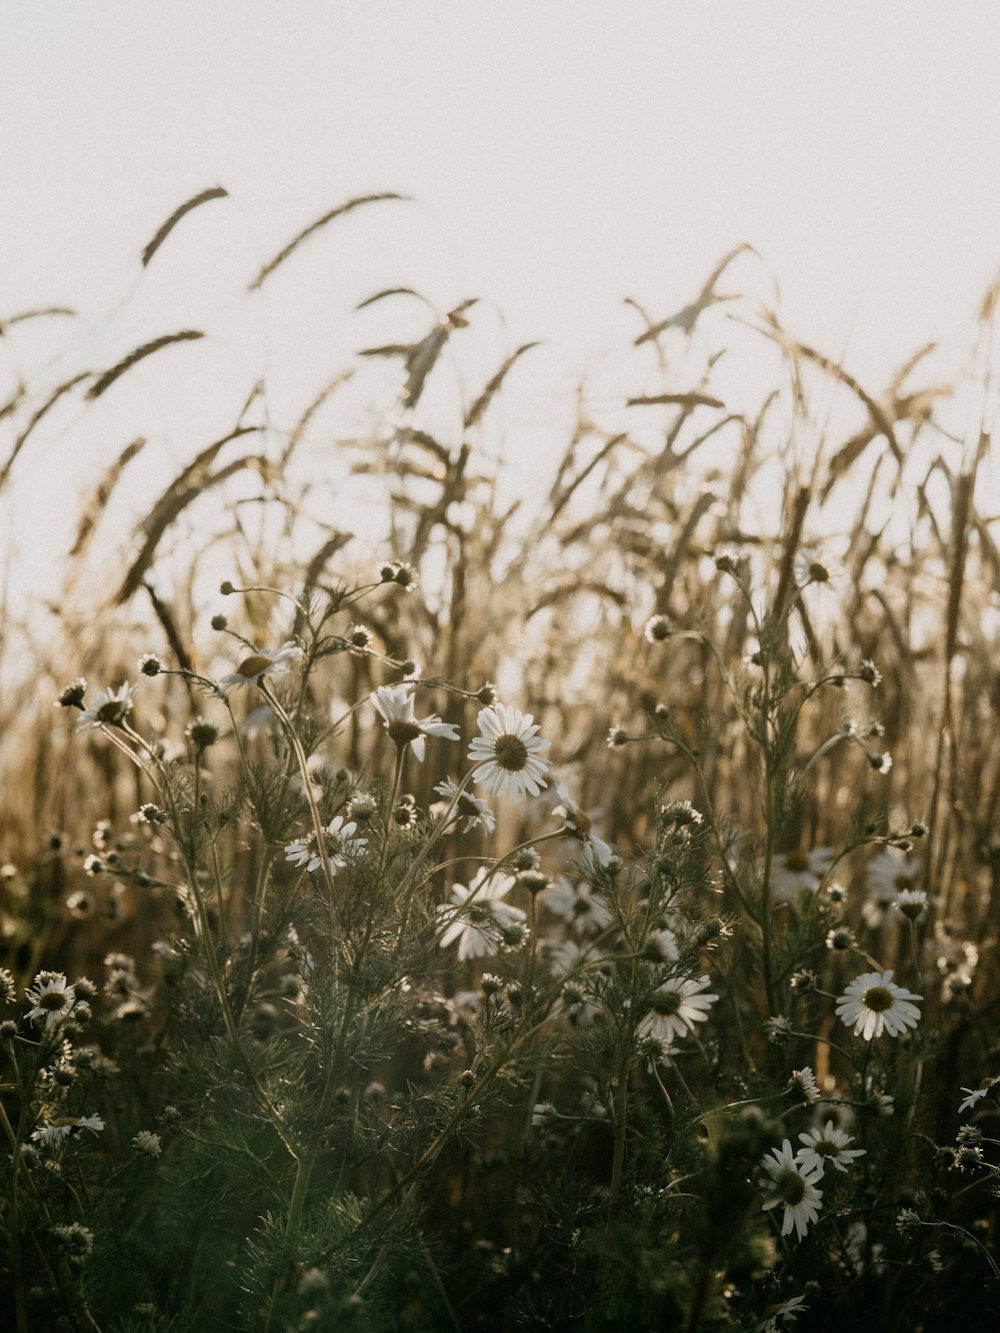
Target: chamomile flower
[
  {"x": 796, "y": 872},
  {"x": 477, "y": 916},
  {"x": 506, "y": 753},
  {"x": 394, "y": 705},
  {"x": 577, "y": 824},
  {"x": 476, "y": 813},
  {"x": 253, "y": 669},
  {"x": 793, "y": 1187},
  {"x": 828, "y": 1144},
  {"x": 811, "y": 567},
  {"x": 913, "y": 904},
  {"x": 787, "y": 1313},
  {"x": 803, "y": 1081},
  {"x": 676, "y": 1006},
  {"x": 579, "y": 904},
  {"x": 341, "y": 846},
  {"x": 890, "y": 874},
  {"x": 874, "y": 1004},
  {"x": 977, "y": 1094},
  {"x": 109, "y": 709},
  {"x": 51, "y": 998}
]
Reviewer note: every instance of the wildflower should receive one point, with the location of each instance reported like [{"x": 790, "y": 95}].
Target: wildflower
[
  {"x": 487, "y": 694},
  {"x": 828, "y": 1144},
  {"x": 93, "y": 865},
  {"x": 803, "y": 981},
  {"x": 341, "y": 845},
  {"x": 506, "y": 752},
  {"x": 661, "y": 947},
  {"x": 8, "y": 986},
  {"x": 406, "y": 576},
  {"x": 676, "y": 1006},
  {"x": 889, "y": 875},
  {"x": 147, "y": 1143},
  {"x": 477, "y": 915},
  {"x": 51, "y": 997},
  {"x": 617, "y": 737},
  {"x": 874, "y": 1004},
  {"x": 869, "y": 673},
  {"x": 201, "y": 733},
  {"x": 253, "y": 669},
  {"x": 218, "y": 622},
  {"x": 792, "y": 1186},
  {"x": 405, "y": 813},
  {"x": 976, "y": 1094},
  {"x": 149, "y": 814},
  {"x": 680, "y": 812},
  {"x": 788, "y": 1312},
  {"x": 778, "y": 1028},
  {"x": 149, "y": 664},
  {"x": 811, "y": 566},
  {"x": 840, "y": 938},
  {"x": 109, "y": 710},
  {"x": 803, "y": 1082},
  {"x": 394, "y": 705},
  {"x": 577, "y": 824},
  {"x": 912, "y": 903},
  {"x": 360, "y": 637},
  {"x": 72, "y": 695},
  {"x": 475, "y": 812},
  {"x": 881, "y": 763},
  {"x": 579, "y": 904},
  {"x": 92, "y": 1122},
  {"x": 362, "y": 806},
  {"x": 798, "y": 872},
  {"x": 76, "y": 1239},
  {"x": 658, "y": 628}
]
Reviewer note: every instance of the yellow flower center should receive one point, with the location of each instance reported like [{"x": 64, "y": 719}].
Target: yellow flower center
[
  {"x": 510, "y": 753},
  {"x": 797, "y": 861},
  {"x": 791, "y": 1187},
  {"x": 878, "y": 999},
  {"x": 111, "y": 711},
  {"x": 403, "y": 732},
  {"x": 666, "y": 1003},
  {"x": 253, "y": 666},
  {"x": 52, "y": 1000}
]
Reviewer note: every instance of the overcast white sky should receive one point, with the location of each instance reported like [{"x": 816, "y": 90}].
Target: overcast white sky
[{"x": 562, "y": 155}]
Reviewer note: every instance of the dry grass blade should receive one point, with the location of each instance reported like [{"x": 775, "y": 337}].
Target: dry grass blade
[
  {"x": 109, "y": 377},
  {"x": 101, "y": 494},
  {"x": 14, "y": 401},
  {"x": 420, "y": 357},
  {"x": 166, "y": 619},
  {"x": 43, "y": 313},
  {"x": 390, "y": 291},
  {"x": 294, "y": 244},
  {"x": 49, "y": 403},
  {"x": 315, "y": 568},
  {"x": 169, "y": 507},
  {"x": 301, "y": 426},
  {"x": 687, "y": 317},
  {"x": 675, "y": 400},
  {"x": 215, "y": 192},
  {"x": 483, "y": 401}
]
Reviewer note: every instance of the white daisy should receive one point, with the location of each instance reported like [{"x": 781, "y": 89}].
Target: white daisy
[
  {"x": 811, "y": 567},
  {"x": 793, "y": 1187},
  {"x": 341, "y": 846},
  {"x": 52, "y": 999},
  {"x": 828, "y": 1144},
  {"x": 787, "y": 1312},
  {"x": 110, "y": 708},
  {"x": 394, "y": 705},
  {"x": 799, "y": 871},
  {"x": 676, "y": 1006},
  {"x": 890, "y": 874},
  {"x": 913, "y": 904},
  {"x": 977, "y": 1094},
  {"x": 803, "y": 1081},
  {"x": 253, "y": 669},
  {"x": 579, "y": 904},
  {"x": 506, "y": 751},
  {"x": 577, "y": 825},
  {"x": 477, "y": 917},
  {"x": 874, "y": 1004},
  {"x": 476, "y": 813}
]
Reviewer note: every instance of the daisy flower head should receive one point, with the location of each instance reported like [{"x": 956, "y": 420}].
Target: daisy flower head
[
  {"x": 51, "y": 998},
  {"x": 109, "y": 709},
  {"x": 803, "y": 1081},
  {"x": 475, "y": 813},
  {"x": 874, "y": 1004},
  {"x": 341, "y": 846},
  {"x": 394, "y": 705},
  {"x": 506, "y": 753},
  {"x": 577, "y": 824},
  {"x": 783, "y": 1315},
  {"x": 812, "y": 566},
  {"x": 800, "y": 871},
  {"x": 676, "y": 1006},
  {"x": 792, "y": 1186},
  {"x": 913, "y": 904},
  {"x": 828, "y": 1144},
  {"x": 477, "y": 917},
  {"x": 578, "y": 904},
  {"x": 657, "y": 629},
  {"x": 890, "y": 874},
  {"x": 253, "y": 669},
  {"x": 977, "y": 1094}
]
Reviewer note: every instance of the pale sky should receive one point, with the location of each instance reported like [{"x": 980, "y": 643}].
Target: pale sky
[{"x": 561, "y": 154}]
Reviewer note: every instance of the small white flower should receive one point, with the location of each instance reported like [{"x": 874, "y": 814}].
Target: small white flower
[
  {"x": 793, "y": 1187},
  {"x": 890, "y": 874},
  {"x": 506, "y": 752},
  {"x": 788, "y": 1312},
  {"x": 658, "y": 628},
  {"x": 577, "y": 824},
  {"x": 52, "y": 999},
  {"x": 476, "y": 813},
  {"x": 394, "y": 705},
  {"x": 804, "y": 1082},
  {"x": 828, "y": 1144},
  {"x": 253, "y": 669},
  {"x": 92, "y": 1122},
  {"x": 977, "y": 1094},
  {"x": 341, "y": 846},
  {"x": 811, "y": 566},
  {"x": 477, "y": 917},
  {"x": 676, "y": 1006},
  {"x": 874, "y": 1004},
  {"x": 798, "y": 872},
  {"x": 109, "y": 710},
  {"x": 579, "y": 904}
]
